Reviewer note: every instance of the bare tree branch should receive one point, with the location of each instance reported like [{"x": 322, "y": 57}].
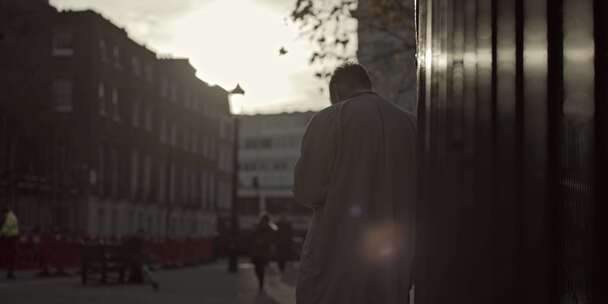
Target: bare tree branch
[{"x": 329, "y": 25}]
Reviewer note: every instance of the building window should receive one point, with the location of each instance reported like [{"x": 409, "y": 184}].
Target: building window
[
  {"x": 116, "y": 53},
  {"x": 203, "y": 189},
  {"x": 211, "y": 192},
  {"x": 63, "y": 40},
  {"x": 188, "y": 100},
  {"x": 174, "y": 135},
  {"x": 222, "y": 159},
  {"x": 280, "y": 166},
  {"x": 228, "y": 159},
  {"x": 212, "y": 154},
  {"x": 62, "y": 95},
  {"x": 228, "y": 132},
  {"x": 149, "y": 73},
  {"x": 159, "y": 225},
  {"x": 163, "y": 131},
  {"x": 185, "y": 185},
  {"x": 194, "y": 142},
  {"x": 150, "y": 225},
  {"x": 149, "y": 119},
  {"x": 114, "y": 168},
  {"x": 114, "y": 221},
  {"x": 101, "y": 170},
  {"x": 195, "y": 103},
  {"x": 147, "y": 175},
  {"x": 136, "y": 66},
  {"x": 164, "y": 87},
  {"x": 115, "y": 105},
  {"x": 136, "y": 110},
  {"x": 194, "y": 226},
  {"x": 208, "y": 140},
  {"x": 204, "y": 108},
  {"x": 225, "y": 128},
  {"x": 103, "y": 51},
  {"x": 246, "y": 166},
  {"x": 172, "y": 227},
  {"x": 205, "y": 148},
  {"x": 193, "y": 184},
  {"x": 140, "y": 220},
  {"x": 186, "y": 139},
  {"x": 172, "y": 183},
  {"x": 173, "y": 91},
  {"x": 101, "y": 96},
  {"x": 134, "y": 173},
  {"x": 161, "y": 182},
  {"x": 131, "y": 224},
  {"x": 101, "y": 222},
  {"x": 258, "y": 143}
]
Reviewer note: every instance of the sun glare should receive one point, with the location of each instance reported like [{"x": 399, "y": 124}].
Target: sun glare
[
  {"x": 238, "y": 42},
  {"x": 249, "y": 42}
]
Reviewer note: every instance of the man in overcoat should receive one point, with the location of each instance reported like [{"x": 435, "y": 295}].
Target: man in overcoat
[{"x": 357, "y": 171}]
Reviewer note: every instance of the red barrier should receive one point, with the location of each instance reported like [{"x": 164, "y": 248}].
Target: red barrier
[
  {"x": 57, "y": 253},
  {"x": 26, "y": 252}
]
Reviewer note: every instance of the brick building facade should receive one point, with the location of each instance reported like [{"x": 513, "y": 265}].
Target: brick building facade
[{"x": 100, "y": 136}]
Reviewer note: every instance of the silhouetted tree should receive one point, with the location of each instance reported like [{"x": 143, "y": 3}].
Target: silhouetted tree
[{"x": 332, "y": 26}]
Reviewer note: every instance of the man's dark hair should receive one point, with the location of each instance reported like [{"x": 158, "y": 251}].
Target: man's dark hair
[{"x": 348, "y": 79}]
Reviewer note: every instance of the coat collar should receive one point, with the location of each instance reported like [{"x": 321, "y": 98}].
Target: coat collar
[{"x": 359, "y": 94}]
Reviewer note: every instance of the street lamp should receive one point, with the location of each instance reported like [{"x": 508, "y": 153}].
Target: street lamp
[{"x": 234, "y": 218}]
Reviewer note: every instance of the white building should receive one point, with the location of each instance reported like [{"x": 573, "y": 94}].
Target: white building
[{"x": 269, "y": 146}]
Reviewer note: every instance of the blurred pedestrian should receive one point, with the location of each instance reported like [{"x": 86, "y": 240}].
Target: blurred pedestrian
[
  {"x": 357, "y": 171},
  {"x": 261, "y": 246},
  {"x": 59, "y": 241},
  {"x": 137, "y": 260},
  {"x": 284, "y": 242},
  {"x": 9, "y": 233}
]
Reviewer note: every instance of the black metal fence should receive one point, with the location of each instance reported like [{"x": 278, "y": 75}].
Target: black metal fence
[{"x": 513, "y": 131}]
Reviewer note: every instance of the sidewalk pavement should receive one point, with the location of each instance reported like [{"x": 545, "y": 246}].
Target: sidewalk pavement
[{"x": 209, "y": 284}]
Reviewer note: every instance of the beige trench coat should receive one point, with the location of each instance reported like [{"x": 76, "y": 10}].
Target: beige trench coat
[{"x": 357, "y": 170}]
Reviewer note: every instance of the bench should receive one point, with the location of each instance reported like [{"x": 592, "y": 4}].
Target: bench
[{"x": 108, "y": 263}]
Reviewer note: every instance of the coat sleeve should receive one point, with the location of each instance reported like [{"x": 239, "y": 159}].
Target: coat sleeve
[{"x": 313, "y": 169}]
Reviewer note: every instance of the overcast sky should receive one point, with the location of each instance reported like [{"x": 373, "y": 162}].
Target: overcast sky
[{"x": 228, "y": 42}]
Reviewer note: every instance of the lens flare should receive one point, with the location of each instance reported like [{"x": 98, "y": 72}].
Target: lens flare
[{"x": 381, "y": 243}]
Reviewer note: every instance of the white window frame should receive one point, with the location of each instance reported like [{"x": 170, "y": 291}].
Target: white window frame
[
  {"x": 61, "y": 37},
  {"x": 136, "y": 113},
  {"x": 116, "y": 57},
  {"x": 136, "y": 66},
  {"x": 115, "y": 105},
  {"x": 63, "y": 95}
]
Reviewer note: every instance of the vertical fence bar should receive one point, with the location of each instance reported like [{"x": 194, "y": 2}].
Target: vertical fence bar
[
  {"x": 577, "y": 159},
  {"x": 535, "y": 149},
  {"x": 506, "y": 183},
  {"x": 600, "y": 13}
]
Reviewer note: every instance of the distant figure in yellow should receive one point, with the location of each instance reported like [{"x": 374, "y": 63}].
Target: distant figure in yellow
[
  {"x": 9, "y": 235},
  {"x": 357, "y": 171}
]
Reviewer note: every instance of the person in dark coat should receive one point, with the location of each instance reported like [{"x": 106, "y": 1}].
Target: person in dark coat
[
  {"x": 137, "y": 260},
  {"x": 284, "y": 242},
  {"x": 357, "y": 171},
  {"x": 261, "y": 244}
]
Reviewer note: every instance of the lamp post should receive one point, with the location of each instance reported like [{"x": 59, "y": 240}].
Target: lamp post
[{"x": 234, "y": 218}]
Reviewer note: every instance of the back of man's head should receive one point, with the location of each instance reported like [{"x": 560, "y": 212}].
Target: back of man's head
[{"x": 348, "y": 79}]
